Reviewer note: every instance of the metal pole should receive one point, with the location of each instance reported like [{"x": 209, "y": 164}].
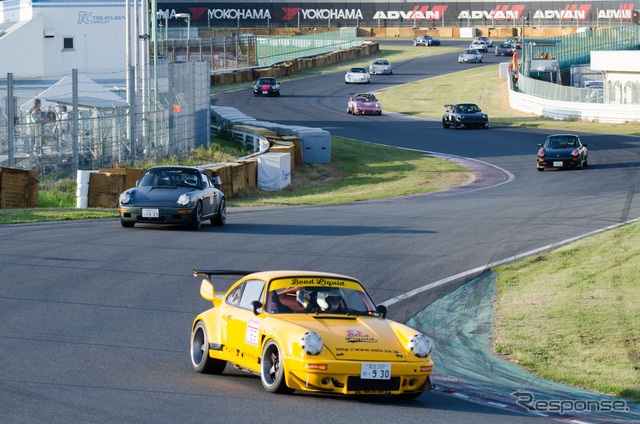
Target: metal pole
[
  {"x": 154, "y": 7},
  {"x": 11, "y": 114},
  {"x": 132, "y": 120},
  {"x": 74, "y": 121}
]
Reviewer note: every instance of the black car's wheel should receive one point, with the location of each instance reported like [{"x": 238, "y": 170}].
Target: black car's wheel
[
  {"x": 196, "y": 221},
  {"x": 127, "y": 224},
  {"x": 455, "y": 125},
  {"x": 255, "y": 94},
  {"x": 444, "y": 123},
  {"x": 540, "y": 169},
  {"x": 221, "y": 218},
  {"x": 586, "y": 162},
  {"x": 200, "y": 358},
  {"x": 272, "y": 369},
  {"x": 486, "y": 126}
]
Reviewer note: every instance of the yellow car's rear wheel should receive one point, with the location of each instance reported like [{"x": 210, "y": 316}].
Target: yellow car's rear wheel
[
  {"x": 272, "y": 369},
  {"x": 200, "y": 358}
]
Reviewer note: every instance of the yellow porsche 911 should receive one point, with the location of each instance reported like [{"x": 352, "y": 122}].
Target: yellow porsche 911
[{"x": 312, "y": 331}]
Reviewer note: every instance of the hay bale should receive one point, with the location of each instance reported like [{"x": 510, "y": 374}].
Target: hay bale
[
  {"x": 105, "y": 189},
  {"x": 250, "y": 172},
  {"x": 132, "y": 175},
  {"x": 18, "y": 188}
]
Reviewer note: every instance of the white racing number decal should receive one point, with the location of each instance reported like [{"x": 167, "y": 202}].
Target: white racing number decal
[{"x": 253, "y": 330}]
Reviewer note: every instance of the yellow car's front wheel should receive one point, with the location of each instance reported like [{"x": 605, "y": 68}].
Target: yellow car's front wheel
[
  {"x": 200, "y": 358},
  {"x": 272, "y": 369}
]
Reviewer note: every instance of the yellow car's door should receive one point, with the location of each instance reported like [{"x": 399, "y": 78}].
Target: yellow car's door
[{"x": 243, "y": 325}]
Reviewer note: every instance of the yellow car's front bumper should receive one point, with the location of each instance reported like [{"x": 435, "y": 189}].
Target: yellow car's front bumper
[{"x": 344, "y": 377}]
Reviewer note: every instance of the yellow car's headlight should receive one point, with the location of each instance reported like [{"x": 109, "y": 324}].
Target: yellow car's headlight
[
  {"x": 420, "y": 345},
  {"x": 311, "y": 343}
]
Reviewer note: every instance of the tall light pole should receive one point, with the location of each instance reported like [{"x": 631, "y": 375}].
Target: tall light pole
[
  {"x": 159, "y": 14},
  {"x": 524, "y": 18},
  {"x": 186, "y": 16}
]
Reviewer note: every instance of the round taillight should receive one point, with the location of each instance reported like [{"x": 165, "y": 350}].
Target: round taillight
[
  {"x": 541, "y": 152},
  {"x": 575, "y": 152}
]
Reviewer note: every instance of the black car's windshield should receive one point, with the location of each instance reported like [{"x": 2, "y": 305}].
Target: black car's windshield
[
  {"x": 470, "y": 108},
  {"x": 320, "y": 300},
  {"x": 170, "y": 177},
  {"x": 562, "y": 142},
  {"x": 270, "y": 81}
]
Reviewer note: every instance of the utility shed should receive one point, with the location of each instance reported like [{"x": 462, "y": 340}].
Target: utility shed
[{"x": 621, "y": 74}]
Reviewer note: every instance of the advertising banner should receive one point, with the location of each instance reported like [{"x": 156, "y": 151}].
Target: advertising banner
[{"x": 400, "y": 14}]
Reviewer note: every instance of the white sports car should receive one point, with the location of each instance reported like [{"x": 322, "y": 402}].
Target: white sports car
[
  {"x": 357, "y": 76},
  {"x": 470, "y": 55}
]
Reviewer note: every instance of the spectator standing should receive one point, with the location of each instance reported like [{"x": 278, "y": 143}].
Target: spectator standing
[{"x": 38, "y": 119}]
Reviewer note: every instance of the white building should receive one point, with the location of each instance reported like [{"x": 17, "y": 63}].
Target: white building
[
  {"x": 621, "y": 74},
  {"x": 41, "y": 38}
]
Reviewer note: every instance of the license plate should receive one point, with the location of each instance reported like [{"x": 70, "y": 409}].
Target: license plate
[
  {"x": 557, "y": 163},
  {"x": 375, "y": 371},
  {"x": 150, "y": 213},
  {"x": 264, "y": 92}
]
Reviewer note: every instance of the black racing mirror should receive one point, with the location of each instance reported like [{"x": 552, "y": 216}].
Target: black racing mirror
[
  {"x": 256, "y": 304},
  {"x": 383, "y": 310}
]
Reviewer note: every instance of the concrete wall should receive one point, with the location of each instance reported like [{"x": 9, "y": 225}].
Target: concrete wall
[{"x": 618, "y": 113}]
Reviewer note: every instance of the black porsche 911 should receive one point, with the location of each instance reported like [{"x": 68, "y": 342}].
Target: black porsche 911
[
  {"x": 562, "y": 151},
  {"x": 464, "y": 115},
  {"x": 266, "y": 86},
  {"x": 173, "y": 195}
]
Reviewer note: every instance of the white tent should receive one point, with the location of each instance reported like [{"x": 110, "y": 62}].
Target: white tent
[{"x": 90, "y": 95}]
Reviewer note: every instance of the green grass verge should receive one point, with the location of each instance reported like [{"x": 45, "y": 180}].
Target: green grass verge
[
  {"x": 572, "y": 315},
  {"x": 361, "y": 171}
]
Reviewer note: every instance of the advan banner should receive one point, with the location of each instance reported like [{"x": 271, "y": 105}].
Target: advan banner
[{"x": 400, "y": 14}]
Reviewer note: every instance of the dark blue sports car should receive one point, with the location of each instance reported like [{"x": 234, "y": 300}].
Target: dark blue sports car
[
  {"x": 266, "y": 86},
  {"x": 173, "y": 195},
  {"x": 562, "y": 151},
  {"x": 425, "y": 40}
]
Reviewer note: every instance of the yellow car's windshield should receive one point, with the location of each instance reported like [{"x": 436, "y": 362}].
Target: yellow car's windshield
[{"x": 318, "y": 295}]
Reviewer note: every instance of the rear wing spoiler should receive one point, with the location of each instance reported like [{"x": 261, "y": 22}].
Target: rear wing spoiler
[
  {"x": 209, "y": 272},
  {"x": 448, "y": 107}
]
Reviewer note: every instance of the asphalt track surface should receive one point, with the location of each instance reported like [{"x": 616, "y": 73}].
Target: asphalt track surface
[{"x": 95, "y": 318}]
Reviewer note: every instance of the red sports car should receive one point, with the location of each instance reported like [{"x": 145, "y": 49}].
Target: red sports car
[{"x": 364, "y": 104}]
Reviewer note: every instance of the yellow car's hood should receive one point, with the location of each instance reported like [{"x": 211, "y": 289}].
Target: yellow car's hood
[{"x": 354, "y": 338}]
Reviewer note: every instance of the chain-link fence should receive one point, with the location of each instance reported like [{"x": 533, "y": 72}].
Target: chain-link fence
[
  {"x": 170, "y": 116},
  {"x": 249, "y": 50}
]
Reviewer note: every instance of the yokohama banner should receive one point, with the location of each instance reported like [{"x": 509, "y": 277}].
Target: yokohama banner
[{"x": 394, "y": 14}]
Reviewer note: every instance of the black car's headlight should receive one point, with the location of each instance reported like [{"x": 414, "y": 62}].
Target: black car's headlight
[
  {"x": 125, "y": 198},
  {"x": 420, "y": 345},
  {"x": 184, "y": 200}
]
